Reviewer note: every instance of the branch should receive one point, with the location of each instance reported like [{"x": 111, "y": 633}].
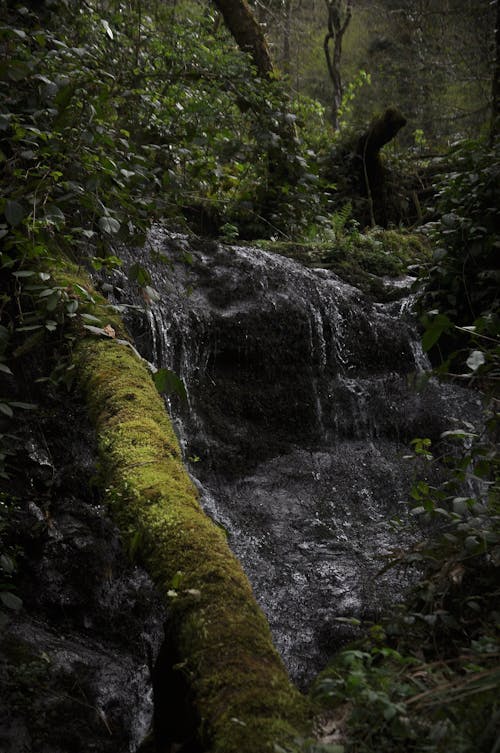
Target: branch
[
  {"x": 329, "y": 63},
  {"x": 347, "y": 19}
]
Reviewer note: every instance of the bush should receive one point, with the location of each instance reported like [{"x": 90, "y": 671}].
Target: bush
[{"x": 461, "y": 287}]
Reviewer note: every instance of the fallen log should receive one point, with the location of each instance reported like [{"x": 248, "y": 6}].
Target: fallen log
[{"x": 219, "y": 652}]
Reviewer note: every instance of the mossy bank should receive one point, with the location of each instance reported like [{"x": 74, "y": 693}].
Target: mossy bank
[{"x": 369, "y": 260}]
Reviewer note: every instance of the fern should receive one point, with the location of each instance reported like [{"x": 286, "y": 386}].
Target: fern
[{"x": 340, "y": 220}]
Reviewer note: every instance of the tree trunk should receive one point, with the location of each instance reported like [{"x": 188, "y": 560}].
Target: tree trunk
[
  {"x": 336, "y": 30},
  {"x": 495, "y": 99},
  {"x": 247, "y": 32},
  {"x": 286, "y": 37},
  {"x": 381, "y": 131},
  {"x": 281, "y": 169}
]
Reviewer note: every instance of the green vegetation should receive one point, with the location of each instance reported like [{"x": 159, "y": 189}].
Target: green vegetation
[
  {"x": 461, "y": 284},
  {"x": 113, "y": 117},
  {"x": 362, "y": 259}
]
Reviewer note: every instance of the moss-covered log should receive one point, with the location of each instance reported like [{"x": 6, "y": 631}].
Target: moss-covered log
[{"x": 241, "y": 692}]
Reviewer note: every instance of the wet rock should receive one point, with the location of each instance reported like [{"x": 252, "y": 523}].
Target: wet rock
[
  {"x": 302, "y": 398},
  {"x": 76, "y": 659}
]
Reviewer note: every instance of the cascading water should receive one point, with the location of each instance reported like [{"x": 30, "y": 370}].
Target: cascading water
[{"x": 301, "y": 403}]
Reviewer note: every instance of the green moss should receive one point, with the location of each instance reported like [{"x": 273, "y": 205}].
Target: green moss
[
  {"x": 361, "y": 259},
  {"x": 242, "y": 693}
]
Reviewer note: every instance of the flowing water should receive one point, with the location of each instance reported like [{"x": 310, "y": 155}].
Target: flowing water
[{"x": 302, "y": 400}]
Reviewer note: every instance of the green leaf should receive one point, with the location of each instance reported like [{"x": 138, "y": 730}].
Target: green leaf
[
  {"x": 85, "y": 293},
  {"x": 109, "y": 225},
  {"x": 14, "y": 212},
  {"x": 24, "y": 406},
  {"x": 90, "y": 318},
  {"x": 54, "y": 216},
  {"x": 18, "y": 70},
  {"x": 5, "y": 368},
  {"x": 52, "y": 301},
  {"x": 348, "y": 620},
  {"x": 64, "y": 96},
  {"x": 430, "y": 338},
  {"x": 7, "y": 564},
  {"x": 140, "y": 275},
  {"x": 390, "y": 711},
  {"x": 435, "y": 329},
  {"x": 11, "y": 601},
  {"x": 482, "y": 468},
  {"x": 6, "y": 410},
  {"x": 46, "y": 292},
  {"x": 457, "y": 434},
  {"x": 460, "y": 506},
  {"x": 168, "y": 382},
  {"x": 471, "y": 543},
  {"x": 177, "y": 579}
]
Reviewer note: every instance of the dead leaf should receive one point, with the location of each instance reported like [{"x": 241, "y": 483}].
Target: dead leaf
[{"x": 108, "y": 329}]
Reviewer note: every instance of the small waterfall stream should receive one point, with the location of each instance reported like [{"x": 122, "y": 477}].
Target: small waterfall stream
[{"x": 301, "y": 404}]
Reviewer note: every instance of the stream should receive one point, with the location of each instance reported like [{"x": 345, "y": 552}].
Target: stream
[{"x": 302, "y": 398}]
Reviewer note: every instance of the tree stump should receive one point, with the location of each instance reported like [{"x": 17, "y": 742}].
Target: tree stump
[{"x": 367, "y": 157}]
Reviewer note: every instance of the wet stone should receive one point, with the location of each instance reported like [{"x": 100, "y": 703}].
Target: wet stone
[
  {"x": 303, "y": 396},
  {"x": 76, "y": 659}
]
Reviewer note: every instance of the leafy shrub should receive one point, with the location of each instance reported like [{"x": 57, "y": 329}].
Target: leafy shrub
[
  {"x": 111, "y": 116},
  {"x": 400, "y": 703},
  {"x": 461, "y": 285}
]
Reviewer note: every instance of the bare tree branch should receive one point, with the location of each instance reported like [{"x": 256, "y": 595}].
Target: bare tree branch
[{"x": 337, "y": 27}]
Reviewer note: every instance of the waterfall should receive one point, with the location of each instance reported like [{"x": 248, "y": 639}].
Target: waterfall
[{"x": 302, "y": 400}]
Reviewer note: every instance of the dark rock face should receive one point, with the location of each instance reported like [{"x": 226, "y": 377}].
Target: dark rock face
[
  {"x": 75, "y": 659},
  {"x": 301, "y": 404}
]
